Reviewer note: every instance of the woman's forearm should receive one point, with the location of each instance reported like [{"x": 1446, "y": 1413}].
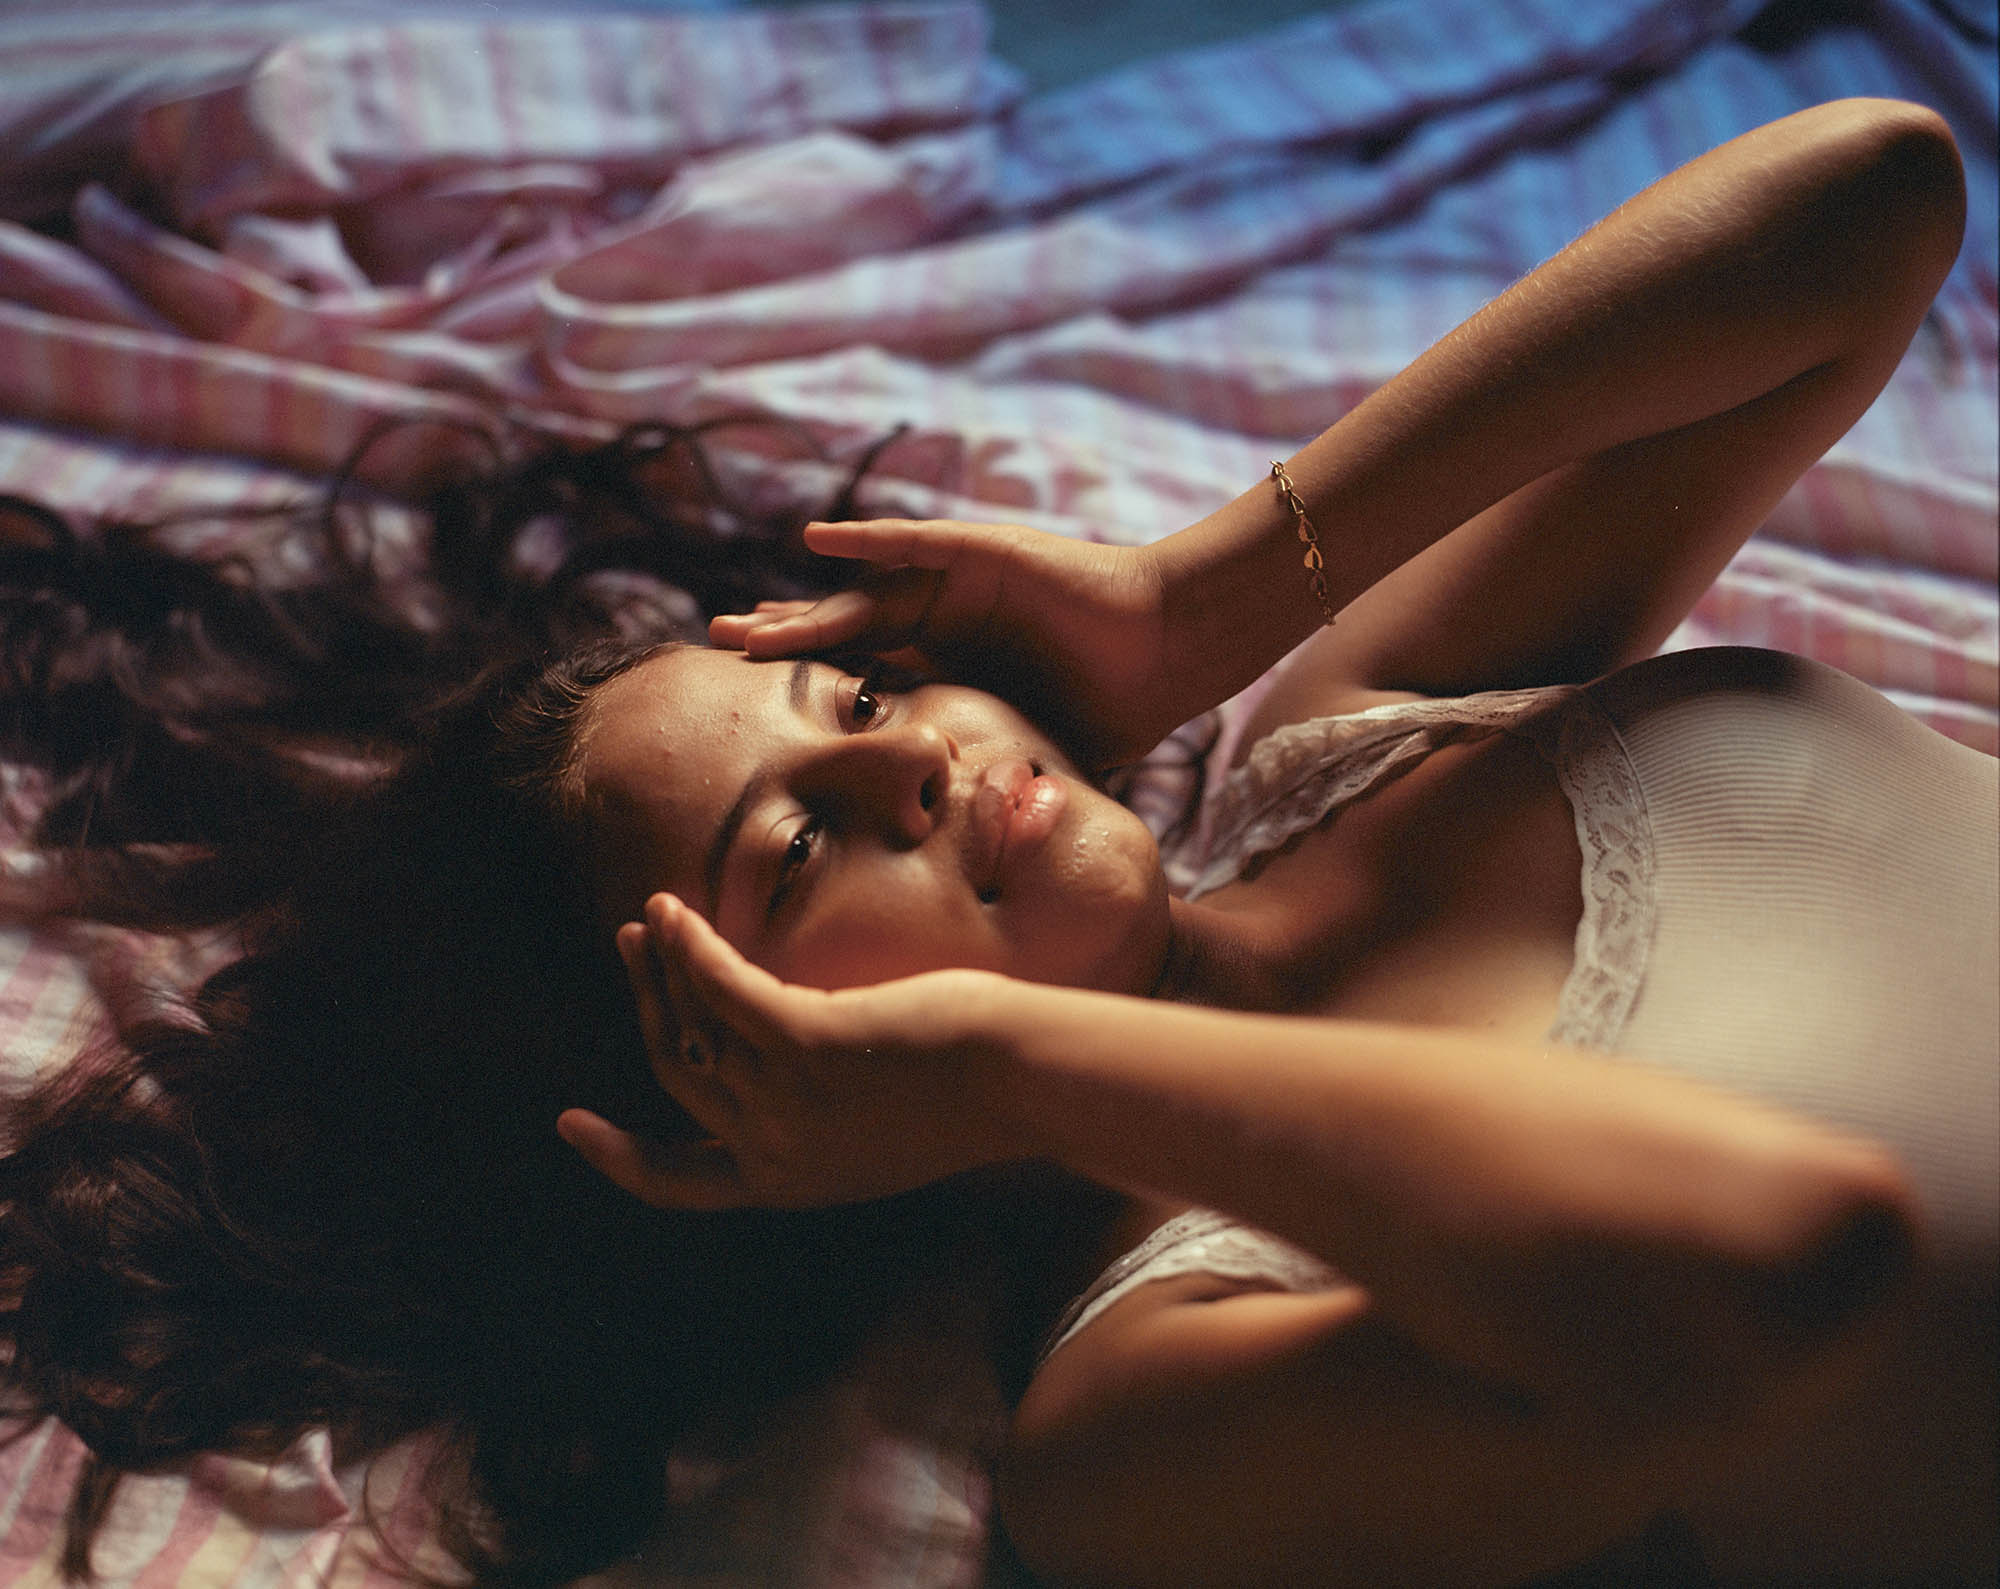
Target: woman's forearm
[
  {"x": 1732, "y": 276},
  {"x": 1560, "y": 1220}
]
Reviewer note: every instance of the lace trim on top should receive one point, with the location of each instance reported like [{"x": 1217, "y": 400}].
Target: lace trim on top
[
  {"x": 1614, "y": 832},
  {"x": 1292, "y": 779},
  {"x": 1197, "y": 1242},
  {"x": 1297, "y": 775}
]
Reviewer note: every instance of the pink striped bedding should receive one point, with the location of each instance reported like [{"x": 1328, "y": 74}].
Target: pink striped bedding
[{"x": 231, "y": 243}]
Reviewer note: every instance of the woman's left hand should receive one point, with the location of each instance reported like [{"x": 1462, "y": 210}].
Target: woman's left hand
[
  {"x": 808, "y": 1097},
  {"x": 1074, "y": 633}
]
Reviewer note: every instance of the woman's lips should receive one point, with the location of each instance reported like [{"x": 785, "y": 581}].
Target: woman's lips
[
  {"x": 1014, "y": 808},
  {"x": 1034, "y": 815}
]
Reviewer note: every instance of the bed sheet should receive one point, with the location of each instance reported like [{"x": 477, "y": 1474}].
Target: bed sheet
[{"x": 234, "y": 240}]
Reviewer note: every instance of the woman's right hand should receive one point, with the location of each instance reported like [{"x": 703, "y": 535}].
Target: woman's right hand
[
  {"x": 1072, "y": 632},
  {"x": 805, "y": 1097}
]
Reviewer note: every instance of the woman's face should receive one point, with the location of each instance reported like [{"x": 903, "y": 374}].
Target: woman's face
[{"x": 839, "y": 836}]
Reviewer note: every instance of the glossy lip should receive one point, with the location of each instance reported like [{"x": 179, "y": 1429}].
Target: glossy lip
[{"x": 1004, "y": 796}]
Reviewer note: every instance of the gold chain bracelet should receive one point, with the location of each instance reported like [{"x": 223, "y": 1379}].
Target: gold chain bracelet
[{"x": 1315, "y": 564}]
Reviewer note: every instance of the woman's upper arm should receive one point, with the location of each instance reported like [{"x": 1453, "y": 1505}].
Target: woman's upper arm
[
  {"x": 1593, "y": 565},
  {"x": 1767, "y": 348},
  {"x": 1199, "y": 1434}
]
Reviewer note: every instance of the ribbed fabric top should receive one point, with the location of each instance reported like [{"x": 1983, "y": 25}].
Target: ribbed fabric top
[
  {"x": 1791, "y": 888},
  {"x": 1827, "y": 892}
]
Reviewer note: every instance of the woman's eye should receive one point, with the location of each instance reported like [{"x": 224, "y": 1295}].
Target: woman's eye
[
  {"x": 800, "y": 849},
  {"x": 792, "y": 865},
  {"x": 869, "y": 703}
]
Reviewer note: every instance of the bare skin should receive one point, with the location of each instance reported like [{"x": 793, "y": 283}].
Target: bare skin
[{"x": 1560, "y": 1321}]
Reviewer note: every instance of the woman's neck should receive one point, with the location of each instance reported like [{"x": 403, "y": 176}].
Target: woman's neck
[{"x": 1229, "y": 959}]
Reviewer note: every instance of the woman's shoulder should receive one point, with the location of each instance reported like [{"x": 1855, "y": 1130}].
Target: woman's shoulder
[
  {"x": 1200, "y": 1242},
  {"x": 1294, "y": 693}
]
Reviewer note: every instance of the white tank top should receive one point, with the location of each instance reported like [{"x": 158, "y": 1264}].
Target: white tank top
[{"x": 1791, "y": 888}]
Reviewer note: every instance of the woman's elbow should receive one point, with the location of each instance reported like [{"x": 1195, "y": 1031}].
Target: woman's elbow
[
  {"x": 1854, "y": 1259},
  {"x": 1786, "y": 1260},
  {"x": 1828, "y": 1261},
  {"x": 1905, "y": 186}
]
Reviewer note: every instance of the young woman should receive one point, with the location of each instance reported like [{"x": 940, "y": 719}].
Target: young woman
[
  {"x": 1583, "y": 1290},
  {"x": 1480, "y": 1302}
]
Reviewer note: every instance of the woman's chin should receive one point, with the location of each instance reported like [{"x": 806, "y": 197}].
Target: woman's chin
[{"x": 1110, "y": 938}]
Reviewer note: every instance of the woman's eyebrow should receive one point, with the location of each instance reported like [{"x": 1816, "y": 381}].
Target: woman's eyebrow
[{"x": 798, "y": 693}]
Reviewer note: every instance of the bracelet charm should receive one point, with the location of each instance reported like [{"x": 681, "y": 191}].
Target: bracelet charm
[{"x": 1315, "y": 564}]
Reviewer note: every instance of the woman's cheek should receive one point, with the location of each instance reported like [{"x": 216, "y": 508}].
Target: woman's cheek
[
  {"x": 1102, "y": 919},
  {"x": 886, "y": 932},
  {"x": 1113, "y": 864}
]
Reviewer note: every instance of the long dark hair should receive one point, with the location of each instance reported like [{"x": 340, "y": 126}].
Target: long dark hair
[{"x": 323, "y": 1187}]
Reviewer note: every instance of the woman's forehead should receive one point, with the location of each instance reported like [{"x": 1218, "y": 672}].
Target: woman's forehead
[
  {"x": 667, "y": 748},
  {"x": 687, "y": 706}
]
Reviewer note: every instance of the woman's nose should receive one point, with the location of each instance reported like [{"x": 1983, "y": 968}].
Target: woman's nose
[{"x": 899, "y": 776}]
